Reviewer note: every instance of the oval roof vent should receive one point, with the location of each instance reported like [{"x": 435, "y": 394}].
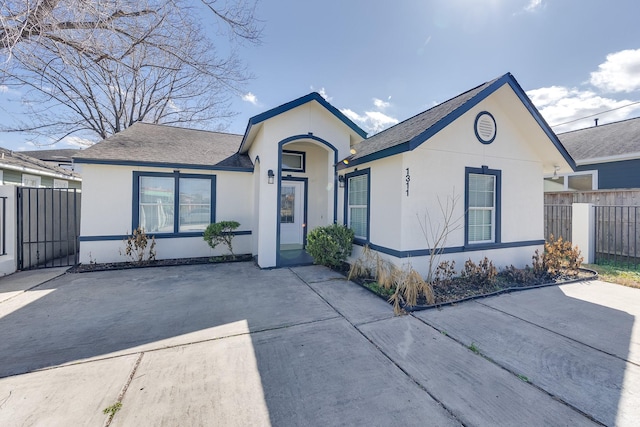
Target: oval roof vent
[{"x": 485, "y": 127}]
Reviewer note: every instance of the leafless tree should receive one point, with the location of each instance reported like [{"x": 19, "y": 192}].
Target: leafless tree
[{"x": 95, "y": 67}]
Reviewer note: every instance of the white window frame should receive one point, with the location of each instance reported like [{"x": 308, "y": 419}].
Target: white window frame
[
  {"x": 495, "y": 210},
  {"x": 60, "y": 183},
  {"x": 491, "y": 209},
  {"x": 364, "y": 174},
  {"x": 35, "y": 178},
  {"x": 565, "y": 177}
]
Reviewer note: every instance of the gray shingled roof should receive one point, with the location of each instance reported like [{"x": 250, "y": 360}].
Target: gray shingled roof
[
  {"x": 57, "y": 155},
  {"x": 407, "y": 130},
  {"x": 148, "y": 143},
  {"x": 612, "y": 139},
  {"x": 17, "y": 159}
]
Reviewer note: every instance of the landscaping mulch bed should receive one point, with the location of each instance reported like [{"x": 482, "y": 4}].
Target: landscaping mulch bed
[
  {"x": 459, "y": 290},
  {"x": 84, "y": 268}
]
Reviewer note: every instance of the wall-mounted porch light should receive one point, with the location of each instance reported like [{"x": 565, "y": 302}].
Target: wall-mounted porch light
[
  {"x": 341, "y": 181},
  {"x": 270, "y": 176},
  {"x": 555, "y": 172}
]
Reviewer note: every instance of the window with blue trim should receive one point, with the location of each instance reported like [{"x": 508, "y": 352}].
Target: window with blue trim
[
  {"x": 157, "y": 209},
  {"x": 357, "y": 204},
  {"x": 482, "y": 205}
]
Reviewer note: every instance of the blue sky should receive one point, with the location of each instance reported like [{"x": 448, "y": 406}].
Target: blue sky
[{"x": 381, "y": 62}]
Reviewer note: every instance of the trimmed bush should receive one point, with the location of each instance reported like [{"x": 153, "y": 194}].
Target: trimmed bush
[
  {"x": 330, "y": 245},
  {"x": 220, "y": 232}
]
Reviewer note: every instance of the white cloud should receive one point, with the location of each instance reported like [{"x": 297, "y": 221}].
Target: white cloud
[
  {"x": 619, "y": 73},
  {"x": 379, "y": 121},
  {"x": 533, "y": 5},
  {"x": 76, "y": 141},
  {"x": 323, "y": 93},
  {"x": 353, "y": 115},
  {"x": 371, "y": 121},
  {"x": 560, "y": 105},
  {"x": 569, "y": 108},
  {"x": 379, "y": 103},
  {"x": 250, "y": 98}
]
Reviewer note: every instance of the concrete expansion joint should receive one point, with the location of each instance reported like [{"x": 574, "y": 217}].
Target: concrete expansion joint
[
  {"x": 383, "y": 353},
  {"x": 31, "y": 288},
  {"x": 369, "y": 322},
  {"x": 125, "y": 387},
  {"x": 504, "y": 368},
  {"x": 559, "y": 334},
  {"x": 329, "y": 279}
]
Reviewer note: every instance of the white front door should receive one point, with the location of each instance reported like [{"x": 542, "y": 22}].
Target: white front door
[{"x": 291, "y": 214}]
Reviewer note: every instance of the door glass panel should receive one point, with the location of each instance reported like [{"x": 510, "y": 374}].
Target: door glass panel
[{"x": 287, "y": 203}]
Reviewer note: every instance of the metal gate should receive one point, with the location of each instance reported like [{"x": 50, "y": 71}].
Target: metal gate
[{"x": 48, "y": 227}]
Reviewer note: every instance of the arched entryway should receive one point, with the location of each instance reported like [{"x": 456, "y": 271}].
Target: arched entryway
[{"x": 307, "y": 194}]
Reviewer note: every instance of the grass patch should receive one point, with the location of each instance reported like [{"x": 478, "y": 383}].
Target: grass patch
[
  {"x": 111, "y": 410},
  {"x": 473, "y": 347},
  {"x": 380, "y": 290},
  {"x": 622, "y": 275}
]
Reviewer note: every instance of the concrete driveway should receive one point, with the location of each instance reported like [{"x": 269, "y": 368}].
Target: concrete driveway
[{"x": 231, "y": 344}]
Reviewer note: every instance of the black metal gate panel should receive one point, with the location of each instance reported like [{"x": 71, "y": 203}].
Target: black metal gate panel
[{"x": 48, "y": 227}]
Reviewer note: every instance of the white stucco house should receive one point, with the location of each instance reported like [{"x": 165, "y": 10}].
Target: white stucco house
[{"x": 305, "y": 164}]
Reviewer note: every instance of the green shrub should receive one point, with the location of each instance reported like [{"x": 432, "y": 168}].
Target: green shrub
[
  {"x": 220, "y": 232},
  {"x": 330, "y": 245}
]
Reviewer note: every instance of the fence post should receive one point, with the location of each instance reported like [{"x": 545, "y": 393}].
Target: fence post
[{"x": 583, "y": 224}]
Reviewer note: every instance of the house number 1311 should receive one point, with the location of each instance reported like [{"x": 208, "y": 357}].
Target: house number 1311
[{"x": 407, "y": 179}]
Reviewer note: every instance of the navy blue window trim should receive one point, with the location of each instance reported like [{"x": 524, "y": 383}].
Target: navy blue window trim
[
  {"x": 303, "y": 162},
  {"x": 484, "y": 170},
  {"x": 122, "y": 237},
  {"x": 176, "y": 200},
  {"x": 412, "y": 253},
  {"x": 346, "y": 202}
]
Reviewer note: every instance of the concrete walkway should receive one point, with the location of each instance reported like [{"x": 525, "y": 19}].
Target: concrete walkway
[{"x": 234, "y": 345}]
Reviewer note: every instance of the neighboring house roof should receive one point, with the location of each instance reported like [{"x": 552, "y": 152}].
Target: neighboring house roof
[
  {"x": 409, "y": 134},
  {"x": 604, "y": 143},
  {"x": 313, "y": 96},
  {"x": 168, "y": 146},
  {"x": 17, "y": 161},
  {"x": 63, "y": 155}
]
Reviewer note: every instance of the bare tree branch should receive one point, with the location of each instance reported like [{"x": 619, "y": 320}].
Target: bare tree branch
[{"x": 95, "y": 67}]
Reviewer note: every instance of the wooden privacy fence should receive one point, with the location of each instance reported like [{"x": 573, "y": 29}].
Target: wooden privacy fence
[
  {"x": 557, "y": 221},
  {"x": 597, "y": 197},
  {"x": 617, "y": 234},
  {"x": 614, "y": 231}
]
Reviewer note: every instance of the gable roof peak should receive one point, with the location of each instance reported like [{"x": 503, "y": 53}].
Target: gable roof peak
[
  {"x": 410, "y": 133},
  {"x": 313, "y": 96}
]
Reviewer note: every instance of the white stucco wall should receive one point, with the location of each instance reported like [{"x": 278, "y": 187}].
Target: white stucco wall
[
  {"x": 386, "y": 191},
  {"x": 310, "y": 118},
  {"x": 437, "y": 172},
  {"x": 319, "y": 172},
  {"x": 107, "y": 210}
]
